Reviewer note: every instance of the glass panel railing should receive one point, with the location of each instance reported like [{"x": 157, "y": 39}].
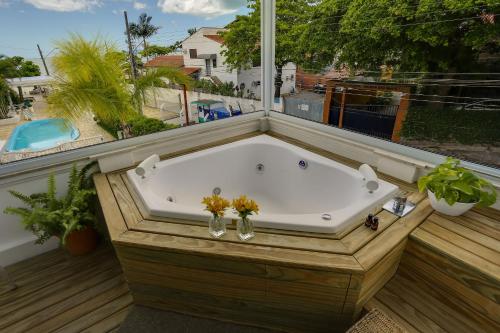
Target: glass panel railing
[
  {"x": 417, "y": 75},
  {"x": 151, "y": 74}
]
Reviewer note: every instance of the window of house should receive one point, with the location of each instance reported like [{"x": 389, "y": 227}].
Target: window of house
[
  {"x": 193, "y": 53},
  {"x": 214, "y": 63}
]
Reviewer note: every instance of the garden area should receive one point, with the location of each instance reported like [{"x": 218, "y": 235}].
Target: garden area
[{"x": 472, "y": 134}]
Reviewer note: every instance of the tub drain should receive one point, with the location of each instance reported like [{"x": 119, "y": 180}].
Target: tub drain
[
  {"x": 260, "y": 168},
  {"x": 217, "y": 191}
]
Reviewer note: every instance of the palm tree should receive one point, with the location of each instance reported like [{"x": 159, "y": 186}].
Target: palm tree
[
  {"x": 143, "y": 29},
  {"x": 90, "y": 77},
  {"x": 7, "y": 70}
]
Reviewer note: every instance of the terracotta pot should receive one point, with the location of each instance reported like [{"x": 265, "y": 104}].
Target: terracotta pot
[{"x": 81, "y": 242}]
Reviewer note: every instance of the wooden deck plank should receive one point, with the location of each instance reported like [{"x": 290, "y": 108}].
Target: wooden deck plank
[
  {"x": 480, "y": 223},
  {"x": 470, "y": 298},
  {"x": 362, "y": 235},
  {"x": 462, "y": 239},
  {"x": 111, "y": 323},
  {"x": 265, "y": 239},
  {"x": 58, "y": 292},
  {"x": 99, "y": 316},
  {"x": 450, "y": 224},
  {"x": 241, "y": 251},
  {"x": 374, "y": 251},
  {"x": 61, "y": 313},
  {"x": 127, "y": 205},
  {"x": 402, "y": 309},
  {"x": 438, "y": 307},
  {"x": 49, "y": 276},
  {"x": 374, "y": 303},
  {"x": 454, "y": 252},
  {"x": 63, "y": 293},
  {"x": 114, "y": 219}
]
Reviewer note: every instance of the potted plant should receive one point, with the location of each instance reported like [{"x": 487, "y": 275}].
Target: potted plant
[
  {"x": 453, "y": 190},
  {"x": 70, "y": 218}
]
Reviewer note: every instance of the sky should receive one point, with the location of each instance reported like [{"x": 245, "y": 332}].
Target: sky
[{"x": 25, "y": 23}]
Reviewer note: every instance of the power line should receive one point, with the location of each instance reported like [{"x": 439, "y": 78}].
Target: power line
[
  {"x": 414, "y": 15},
  {"x": 409, "y": 99}
]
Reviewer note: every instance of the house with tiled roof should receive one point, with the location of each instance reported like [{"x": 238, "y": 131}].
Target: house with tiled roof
[
  {"x": 176, "y": 61},
  {"x": 203, "y": 50}
]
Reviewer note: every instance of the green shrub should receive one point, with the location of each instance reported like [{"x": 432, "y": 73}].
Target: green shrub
[
  {"x": 140, "y": 125},
  {"x": 143, "y": 125},
  {"x": 452, "y": 125}
]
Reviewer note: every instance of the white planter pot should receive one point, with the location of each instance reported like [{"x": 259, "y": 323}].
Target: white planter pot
[{"x": 443, "y": 207}]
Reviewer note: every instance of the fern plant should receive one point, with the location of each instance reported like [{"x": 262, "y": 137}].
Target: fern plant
[{"x": 46, "y": 215}]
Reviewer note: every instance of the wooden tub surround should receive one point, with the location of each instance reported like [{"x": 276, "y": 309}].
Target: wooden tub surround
[{"x": 292, "y": 281}]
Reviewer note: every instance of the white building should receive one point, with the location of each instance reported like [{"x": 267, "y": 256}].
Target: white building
[{"x": 203, "y": 50}]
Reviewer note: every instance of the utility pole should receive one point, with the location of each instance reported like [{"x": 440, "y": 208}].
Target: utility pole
[
  {"x": 130, "y": 50},
  {"x": 43, "y": 59},
  {"x": 186, "y": 103},
  {"x": 132, "y": 59}
]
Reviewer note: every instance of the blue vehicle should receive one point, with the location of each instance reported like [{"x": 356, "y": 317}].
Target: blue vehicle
[{"x": 209, "y": 110}]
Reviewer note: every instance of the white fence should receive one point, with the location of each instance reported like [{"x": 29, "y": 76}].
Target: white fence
[{"x": 167, "y": 99}]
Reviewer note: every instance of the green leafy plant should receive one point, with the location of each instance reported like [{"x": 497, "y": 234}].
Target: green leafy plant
[
  {"x": 143, "y": 125},
  {"x": 46, "y": 215},
  {"x": 457, "y": 184}
]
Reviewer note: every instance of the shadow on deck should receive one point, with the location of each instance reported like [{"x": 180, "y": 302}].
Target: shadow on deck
[{"x": 59, "y": 293}]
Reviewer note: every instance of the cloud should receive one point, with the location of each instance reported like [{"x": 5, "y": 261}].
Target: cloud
[
  {"x": 139, "y": 5},
  {"x": 65, "y": 5},
  {"x": 204, "y": 8},
  {"x": 4, "y": 3}
]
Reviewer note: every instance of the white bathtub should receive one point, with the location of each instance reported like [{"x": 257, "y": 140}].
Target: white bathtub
[{"x": 290, "y": 197}]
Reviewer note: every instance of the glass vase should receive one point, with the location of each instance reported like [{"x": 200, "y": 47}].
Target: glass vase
[
  {"x": 216, "y": 227},
  {"x": 245, "y": 229}
]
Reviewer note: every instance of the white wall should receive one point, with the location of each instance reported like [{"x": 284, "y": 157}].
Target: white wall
[
  {"x": 204, "y": 45},
  {"x": 289, "y": 76},
  {"x": 170, "y": 97},
  {"x": 252, "y": 75}
]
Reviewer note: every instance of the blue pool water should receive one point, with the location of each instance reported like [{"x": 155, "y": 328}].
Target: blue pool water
[{"x": 41, "y": 134}]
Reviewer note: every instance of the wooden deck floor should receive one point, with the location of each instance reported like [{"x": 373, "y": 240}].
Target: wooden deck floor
[
  {"x": 58, "y": 293},
  {"x": 449, "y": 276}
]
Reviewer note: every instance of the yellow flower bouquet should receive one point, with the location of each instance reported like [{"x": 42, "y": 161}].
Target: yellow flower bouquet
[
  {"x": 216, "y": 205},
  {"x": 245, "y": 207}
]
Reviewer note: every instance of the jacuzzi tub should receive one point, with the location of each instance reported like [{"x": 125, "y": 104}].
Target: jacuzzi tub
[{"x": 290, "y": 197}]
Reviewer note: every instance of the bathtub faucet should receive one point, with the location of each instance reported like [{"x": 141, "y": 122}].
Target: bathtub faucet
[
  {"x": 147, "y": 165},
  {"x": 370, "y": 177}
]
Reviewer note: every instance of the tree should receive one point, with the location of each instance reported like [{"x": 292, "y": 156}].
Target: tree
[
  {"x": 29, "y": 68},
  {"x": 412, "y": 36},
  {"x": 91, "y": 78},
  {"x": 242, "y": 39},
  {"x": 17, "y": 67},
  {"x": 156, "y": 50},
  {"x": 7, "y": 95},
  {"x": 143, "y": 29},
  {"x": 191, "y": 31}
]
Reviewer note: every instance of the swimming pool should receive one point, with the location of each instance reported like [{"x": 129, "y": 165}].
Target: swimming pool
[{"x": 41, "y": 134}]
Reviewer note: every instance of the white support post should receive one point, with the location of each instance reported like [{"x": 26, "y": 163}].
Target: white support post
[{"x": 268, "y": 42}]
